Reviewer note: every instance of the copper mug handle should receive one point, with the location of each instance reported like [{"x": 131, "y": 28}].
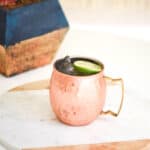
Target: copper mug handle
[{"x": 122, "y": 96}]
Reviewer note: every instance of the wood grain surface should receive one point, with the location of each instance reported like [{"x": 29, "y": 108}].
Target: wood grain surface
[
  {"x": 30, "y": 53},
  {"x": 35, "y": 85},
  {"x": 126, "y": 145}
]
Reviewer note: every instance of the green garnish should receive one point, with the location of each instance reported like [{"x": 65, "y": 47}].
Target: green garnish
[{"x": 87, "y": 67}]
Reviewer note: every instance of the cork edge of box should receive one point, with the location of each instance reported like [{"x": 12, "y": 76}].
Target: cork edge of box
[{"x": 30, "y": 53}]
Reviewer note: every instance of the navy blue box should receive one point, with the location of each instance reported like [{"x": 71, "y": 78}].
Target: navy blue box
[{"x": 29, "y": 21}]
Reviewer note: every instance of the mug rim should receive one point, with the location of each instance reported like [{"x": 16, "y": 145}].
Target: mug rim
[{"x": 83, "y": 58}]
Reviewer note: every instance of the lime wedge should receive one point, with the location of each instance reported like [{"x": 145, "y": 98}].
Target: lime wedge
[{"x": 86, "y": 67}]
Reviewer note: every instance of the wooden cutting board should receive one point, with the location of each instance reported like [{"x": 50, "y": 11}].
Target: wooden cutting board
[
  {"x": 123, "y": 145},
  {"x": 127, "y": 145}
]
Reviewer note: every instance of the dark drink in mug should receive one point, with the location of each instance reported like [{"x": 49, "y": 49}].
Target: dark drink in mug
[{"x": 78, "y": 66}]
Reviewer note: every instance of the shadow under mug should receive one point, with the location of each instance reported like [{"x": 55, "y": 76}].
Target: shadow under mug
[{"x": 79, "y": 100}]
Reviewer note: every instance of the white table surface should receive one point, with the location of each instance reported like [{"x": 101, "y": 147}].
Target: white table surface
[{"x": 124, "y": 56}]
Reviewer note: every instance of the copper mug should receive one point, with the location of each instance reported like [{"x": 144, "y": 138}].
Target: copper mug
[{"x": 79, "y": 100}]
